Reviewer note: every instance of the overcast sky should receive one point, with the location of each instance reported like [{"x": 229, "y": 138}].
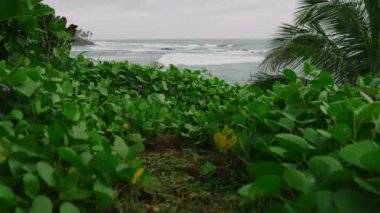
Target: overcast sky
[{"x": 123, "y": 19}]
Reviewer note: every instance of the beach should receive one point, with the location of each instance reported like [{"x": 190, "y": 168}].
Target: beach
[{"x": 231, "y": 60}]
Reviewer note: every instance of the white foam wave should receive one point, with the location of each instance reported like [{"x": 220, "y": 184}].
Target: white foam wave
[
  {"x": 211, "y": 45},
  {"x": 240, "y": 52},
  {"x": 190, "y": 59},
  {"x": 142, "y": 50},
  {"x": 261, "y": 51},
  {"x": 190, "y": 46},
  {"x": 160, "y": 45},
  {"x": 163, "y": 47},
  {"x": 140, "y": 47}
]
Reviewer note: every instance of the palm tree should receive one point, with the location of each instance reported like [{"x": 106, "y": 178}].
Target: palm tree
[{"x": 340, "y": 36}]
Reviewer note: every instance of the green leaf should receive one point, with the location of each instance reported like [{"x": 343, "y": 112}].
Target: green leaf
[
  {"x": 191, "y": 128},
  {"x": 290, "y": 75},
  {"x": 164, "y": 85},
  {"x": 19, "y": 76},
  {"x": 325, "y": 202},
  {"x": 7, "y": 128},
  {"x": 31, "y": 184},
  {"x": 71, "y": 156},
  {"x": 121, "y": 148},
  {"x": 341, "y": 132},
  {"x": 71, "y": 111},
  {"x": 371, "y": 160},
  {"x": 324, "y": 133},
  {"x": 354, "y": 152},
  {"x": 323, "y": 166},
  {"x": 308, "y": 68},
  {"x": 287, "y": 124},
  {"x": 67, "y": 87},
  {"x": 266, "y": 186},
  {"x": 143, "y": 106},
  {"x": 6, "y": 194},
  {"x": 257, "y": 109},
  {"x": 136, "y": 138},
  {"x": 47, "y": 173},
  {"x": 240, "y": 120},
  {"x": 68, "y": 208},
  {"x": 293, "y": 141},
  {"x": 79, "y": 132},
  {"x": 15, "y": 166},
  {"x": 103, "y": 91},
  {"x": 160, "y": 98},
  {"x": 260, "y": 169},
  {"x": 40, "y": 108},
  {"x": 28, "y": 88},
  {"x": 19, "y": 210},
  {"x": 104, "y": 194},
  {"x": 10, "y": 9},
  {"x": 3, "y": 68},
  {"x": 354, "y": 202},
  {"x": 141, "y": 79},
  {"x": 279, "y": 151},
  {"x": 41, "y": 204},
  {"x": 245, "y": 190},
  {"x": 134, "y": 150},
  {"x": 148, "y": 181},
  {"x": 313, "y": 136},
  {"x": 323, "y": 80},
  {"x": 17, "y": 114},
  {"x": 148, "y": 126},
  {"x": 367, "y": 186},
  {"x": 368, "y": 112},
  {"x": 208, "y": 168},
  {"x": 74, "y": 194},
  {"x": 296, "y": 180}
]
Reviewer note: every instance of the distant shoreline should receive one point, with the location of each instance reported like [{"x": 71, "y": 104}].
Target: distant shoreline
[
  {"x": 180, "y": 39},
  {"x": 230, "y": 60},
  {"x": 82, "y": 42}
]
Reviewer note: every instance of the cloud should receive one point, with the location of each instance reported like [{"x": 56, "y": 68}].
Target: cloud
[{"x": 177, "y": 18}]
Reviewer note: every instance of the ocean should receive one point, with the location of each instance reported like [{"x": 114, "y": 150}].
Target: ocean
[{"x": 231, "y": 60}]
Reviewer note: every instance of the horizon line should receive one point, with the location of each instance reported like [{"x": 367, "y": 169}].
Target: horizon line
[{"x": 181, "y": 38}]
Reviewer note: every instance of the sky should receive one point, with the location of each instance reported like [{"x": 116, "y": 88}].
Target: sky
[{"x": 177, "y": 19}]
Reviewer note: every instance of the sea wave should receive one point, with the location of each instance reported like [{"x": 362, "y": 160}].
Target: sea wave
[
  {"x": 158, "y": 47},
  {"x": 203, "y": 59},
  {"x": 212, "y": 45}
]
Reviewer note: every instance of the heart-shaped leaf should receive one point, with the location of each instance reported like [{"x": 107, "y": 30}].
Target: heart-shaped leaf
[{"x": 41, "y": 204}]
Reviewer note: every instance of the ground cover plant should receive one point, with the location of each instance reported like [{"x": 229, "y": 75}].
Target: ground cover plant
[
  {"x": 80, "y": 136},
  {"x": 314, "y": 146}
]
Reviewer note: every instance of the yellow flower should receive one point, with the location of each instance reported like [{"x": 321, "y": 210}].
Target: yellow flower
[
  {"x": 137, "y": 176},
  {"x": 126, "y": 126},
  {"x": 225, "y": 142}
]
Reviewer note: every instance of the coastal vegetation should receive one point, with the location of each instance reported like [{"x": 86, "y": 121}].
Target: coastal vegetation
[
  {"x": 341, "y": 36},
  {"x": 80, "y": 136},
  {"x": 83, "y": 37},
  {"x": 85, "y": 34}
]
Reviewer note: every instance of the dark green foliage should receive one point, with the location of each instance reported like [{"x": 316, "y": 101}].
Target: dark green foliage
[
  {"x": 10, "y": 9},
  {"x": 73, "y": 136},
  {"x": 55, "y": 143},
  {"x": 71, "y": 131},
  {"x": 321, "y": 140},
  {"x": 34, "y": 35},
  {"x": 266, "y": 81}
]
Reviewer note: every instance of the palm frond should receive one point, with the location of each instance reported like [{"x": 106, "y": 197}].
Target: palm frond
[
  {"x": 265, "y": 81},
  {"x": 342, "y": 36}
]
